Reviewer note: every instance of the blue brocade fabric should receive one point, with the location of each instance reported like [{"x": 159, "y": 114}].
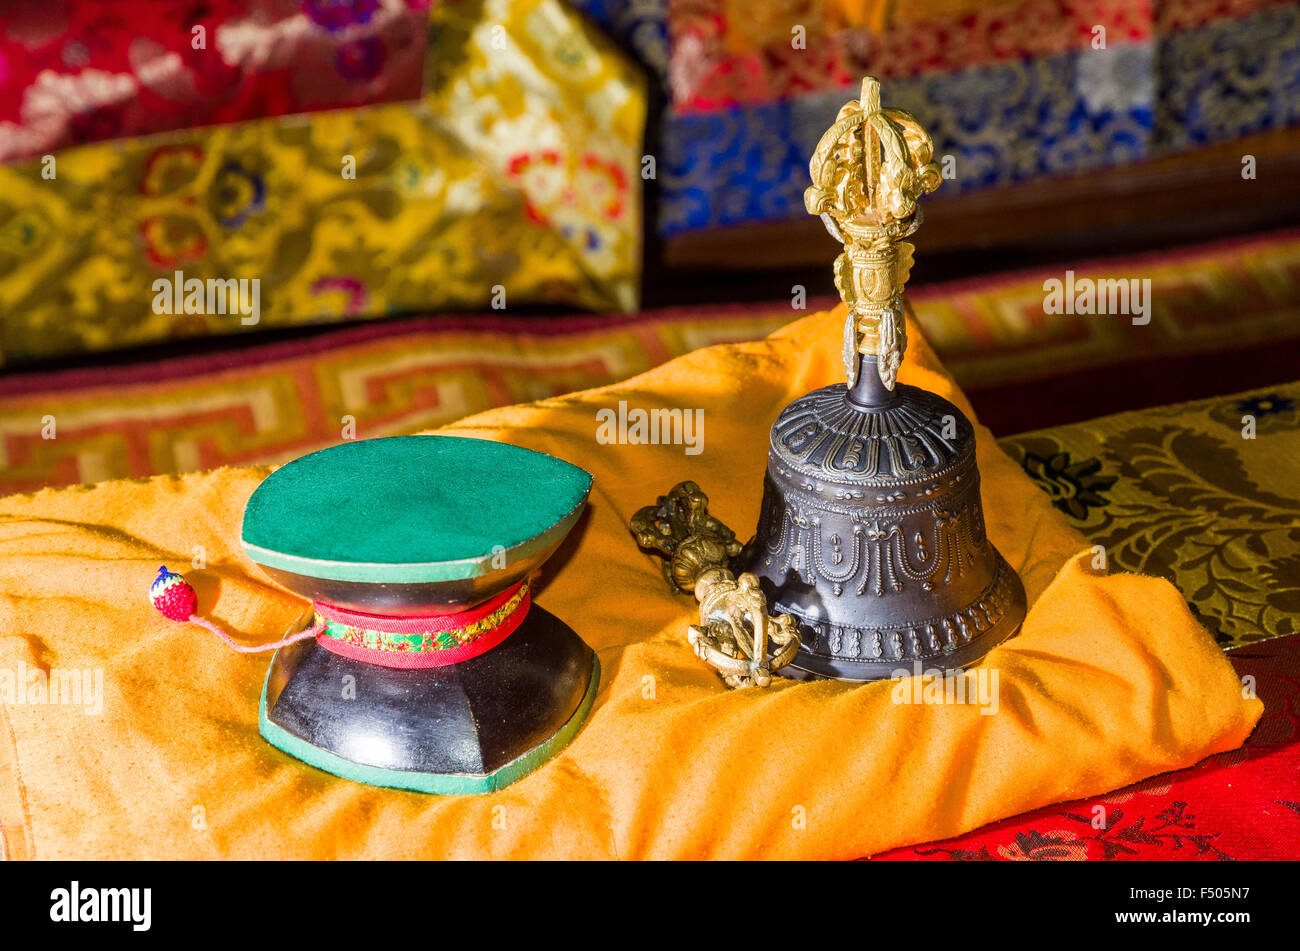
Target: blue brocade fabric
[
  {"x": 641, "y": 25},
  {"x": 1070, "y": 112},
  {"x": 1229, "y": 79},
  {"x": 998, "y": 123}
]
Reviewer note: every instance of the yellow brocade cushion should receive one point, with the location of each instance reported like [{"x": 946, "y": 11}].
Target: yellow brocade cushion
[
  {"x": 1110, "y": 681},
  {"x": 512, "y": 180}
]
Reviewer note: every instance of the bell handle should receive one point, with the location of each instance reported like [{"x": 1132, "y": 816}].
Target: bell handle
[{"x": 868, "y": 171}]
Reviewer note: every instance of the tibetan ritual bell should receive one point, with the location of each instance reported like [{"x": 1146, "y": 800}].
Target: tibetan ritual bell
[
  {"x": 432, "y": 669},
  {"x": 871, "y": 533},
  {"x": 870, "y": 556}
]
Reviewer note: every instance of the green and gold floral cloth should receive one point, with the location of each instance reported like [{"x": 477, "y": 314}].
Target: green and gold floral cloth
[
  {"x": 1206, "y": 494},
  {"x": 514, "y": 179}
]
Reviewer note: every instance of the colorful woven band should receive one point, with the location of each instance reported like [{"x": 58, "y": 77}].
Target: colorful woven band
[{"x": 423, "y": 641}]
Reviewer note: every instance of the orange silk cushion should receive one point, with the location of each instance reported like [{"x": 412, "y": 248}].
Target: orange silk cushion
[{"x": 1111, "y": 680}]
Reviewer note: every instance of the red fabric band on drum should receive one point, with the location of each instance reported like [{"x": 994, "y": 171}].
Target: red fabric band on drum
[{"x": 416, "y": 642}]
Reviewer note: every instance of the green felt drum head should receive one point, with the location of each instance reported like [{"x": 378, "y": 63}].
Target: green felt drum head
[{"x": 412, "y": 510}]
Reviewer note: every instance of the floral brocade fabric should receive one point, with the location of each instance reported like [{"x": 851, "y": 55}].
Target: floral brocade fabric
[
  {"x": 1203, "y": 494},
  {"x": 73, "y": 73},
  {"x": 513, "y": 179}
]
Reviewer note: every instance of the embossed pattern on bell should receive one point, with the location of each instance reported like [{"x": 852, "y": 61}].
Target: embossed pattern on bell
[{"x": 872, "y": 536}]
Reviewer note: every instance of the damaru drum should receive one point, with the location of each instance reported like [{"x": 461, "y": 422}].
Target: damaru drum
[{"x": 433, "y": 670}]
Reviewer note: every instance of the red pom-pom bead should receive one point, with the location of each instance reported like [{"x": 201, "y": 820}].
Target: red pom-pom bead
[{"x": 172, "y": 595}]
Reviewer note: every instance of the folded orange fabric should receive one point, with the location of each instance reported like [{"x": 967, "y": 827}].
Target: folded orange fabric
[{"x": 1110, "y": 681}]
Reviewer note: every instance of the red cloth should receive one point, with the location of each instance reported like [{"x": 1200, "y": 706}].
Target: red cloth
[
  {"x": 1244, "y": 804},
  {"x": 72, "y": 73}
]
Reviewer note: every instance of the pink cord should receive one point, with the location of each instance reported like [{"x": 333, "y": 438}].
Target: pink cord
[
  {"x": 175, "y": 599},
  {"x": 257, "y": 648}
]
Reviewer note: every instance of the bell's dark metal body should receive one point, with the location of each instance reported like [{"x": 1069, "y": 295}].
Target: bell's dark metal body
[{"x": 871, "y": 534}]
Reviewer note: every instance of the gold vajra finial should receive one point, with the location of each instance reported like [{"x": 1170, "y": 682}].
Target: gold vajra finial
[{"x": 869, "y": 169}]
